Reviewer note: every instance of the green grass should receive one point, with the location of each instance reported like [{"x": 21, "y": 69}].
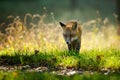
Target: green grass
[
  {"x": 89, "y": 60},
  {"x": 43, "y": 45},
  {"x": 19, "y": 75}
]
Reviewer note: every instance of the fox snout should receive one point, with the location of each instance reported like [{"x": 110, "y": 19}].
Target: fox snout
[
  {"x": 68, "y": 42},
  {"x": 67, "y": 39}
]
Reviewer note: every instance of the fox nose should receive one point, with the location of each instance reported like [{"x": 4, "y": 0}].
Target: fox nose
[{"x": 68, "y": 42}]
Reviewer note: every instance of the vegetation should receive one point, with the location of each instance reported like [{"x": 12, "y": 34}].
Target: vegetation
[
  {"x": 35, "y": 42},
  {"x": 18, "y": 75},
  {"x": 86, "y": 60}
]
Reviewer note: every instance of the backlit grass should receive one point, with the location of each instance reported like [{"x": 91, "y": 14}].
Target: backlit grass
[
  {"x": 41, "y": 44},
  {"x": 89, "y": 60}
]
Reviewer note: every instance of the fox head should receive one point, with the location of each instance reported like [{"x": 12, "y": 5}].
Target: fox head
[{"x": 70, "y": 31}]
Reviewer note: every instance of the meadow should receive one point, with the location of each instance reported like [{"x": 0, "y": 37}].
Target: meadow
[{"x": 33, "y": 42}]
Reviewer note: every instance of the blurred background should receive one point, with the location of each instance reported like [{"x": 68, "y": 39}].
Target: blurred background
[
  {"x": 99, "y": 19},
  {"x": 82, "y": 10}
]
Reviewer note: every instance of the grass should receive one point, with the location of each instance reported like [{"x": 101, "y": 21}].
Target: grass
[
  {"x": 89, "y": 60},
  {"x": 42, "y": 44},
  {"x": 19, "y": 75}
]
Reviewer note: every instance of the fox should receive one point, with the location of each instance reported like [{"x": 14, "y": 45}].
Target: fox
[{"x": 72, "y": 32}]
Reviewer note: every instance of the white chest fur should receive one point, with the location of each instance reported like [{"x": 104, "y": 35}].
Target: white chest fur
[{"x": 74, "y": 38}]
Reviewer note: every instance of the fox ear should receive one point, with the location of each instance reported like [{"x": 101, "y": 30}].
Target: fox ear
[
  {"x": 62, "y": 24},
  {"x": 74, "y": 26}
]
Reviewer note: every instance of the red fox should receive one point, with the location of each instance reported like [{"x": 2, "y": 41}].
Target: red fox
[{"x": 72, "y": 34}]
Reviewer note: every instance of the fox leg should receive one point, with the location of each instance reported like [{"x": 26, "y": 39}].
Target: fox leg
[
  {"x": 74, "y": 48},
  {"x": 70, "y": 48},
  {"x": 78, "y": 46}
]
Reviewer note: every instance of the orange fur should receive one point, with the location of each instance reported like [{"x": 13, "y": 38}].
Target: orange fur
[{"x": 72, "y": 34}]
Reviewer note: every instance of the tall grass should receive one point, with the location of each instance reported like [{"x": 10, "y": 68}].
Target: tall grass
[
  {"x": 24, "y": 39},
  {"x": 34, "y": 33},
  {"x": 23, "y": 35}
]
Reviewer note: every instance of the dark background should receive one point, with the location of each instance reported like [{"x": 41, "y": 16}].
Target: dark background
[{"x": 82, "y": 10}]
